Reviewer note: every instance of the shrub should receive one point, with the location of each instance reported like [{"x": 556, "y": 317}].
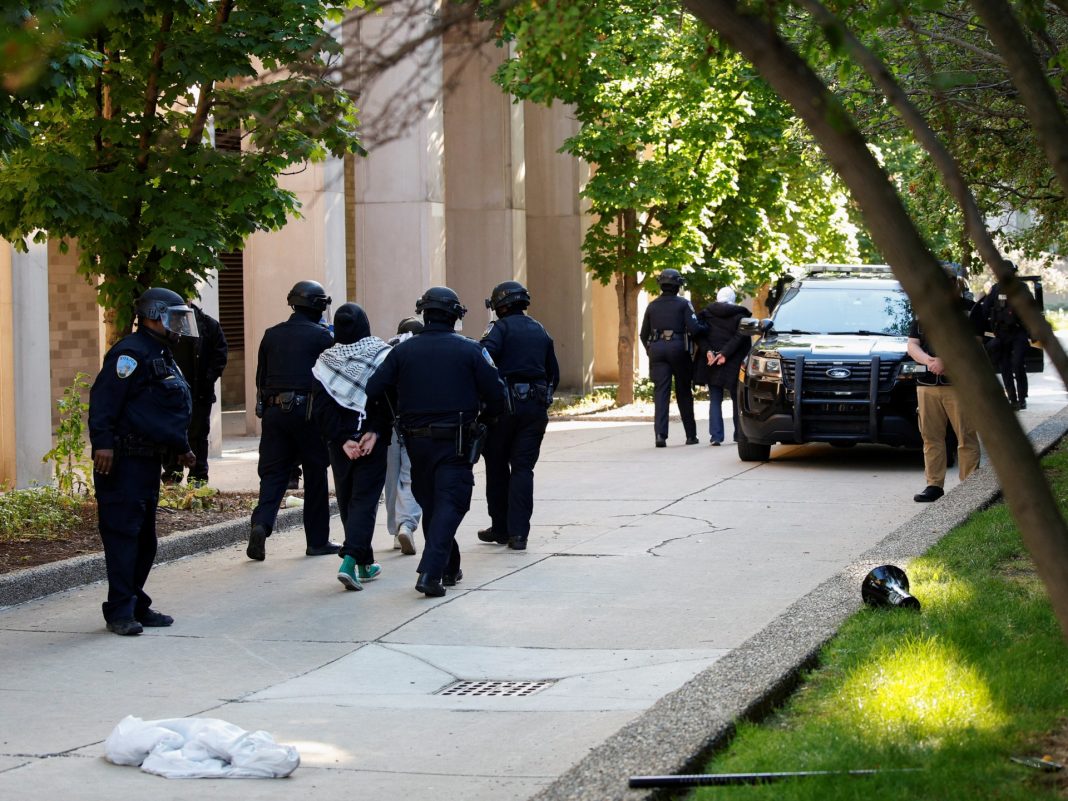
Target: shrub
[
  {"x": 73, "y": 468},
  {"x": 195, "y": 496},
  {"x": 36, "y": 513}
]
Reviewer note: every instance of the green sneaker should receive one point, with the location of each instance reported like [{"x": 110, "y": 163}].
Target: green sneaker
[
  {"x": 369, "y": 572},
  {"x": 347, "y": 574}
]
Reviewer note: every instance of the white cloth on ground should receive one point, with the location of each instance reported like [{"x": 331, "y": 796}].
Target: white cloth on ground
[{"x": 199, "y": 748}]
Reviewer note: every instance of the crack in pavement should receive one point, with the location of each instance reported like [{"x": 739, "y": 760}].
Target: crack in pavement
[{"x": 651, "y": 551}]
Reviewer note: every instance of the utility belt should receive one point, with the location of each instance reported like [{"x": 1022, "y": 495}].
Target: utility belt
[
  {"x": 670, "y": 335},
  {"x": 529, "y": 392},
  {"x": 1008, "y": 329},
  {"x": 469, "y": 437},
  {"x": 286, "y": 400},
  {"x": 134, "y": 445},
  {"x": 291, "y": 399}
]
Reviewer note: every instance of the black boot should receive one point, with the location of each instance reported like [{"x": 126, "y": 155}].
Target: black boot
[
  {"x": 430, "y": 587},
  {"x": 257, "y": 540},
  {"x": 489, "y": 535},
  {"x": 518, "y": 543}
]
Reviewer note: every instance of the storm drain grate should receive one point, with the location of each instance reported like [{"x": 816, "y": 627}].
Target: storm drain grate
[{"x": 493, "y": 687}]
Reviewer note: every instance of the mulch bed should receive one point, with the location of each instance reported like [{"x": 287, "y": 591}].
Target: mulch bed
[{"x": 84, "y": 538}]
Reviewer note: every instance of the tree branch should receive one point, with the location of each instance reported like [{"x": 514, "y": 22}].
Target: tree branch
[
  {"x": 1047, "y": 117},
  {"x": 204, "y": 100},
  {"x": 1021, "y": 300},
  {"x": 148, "y": 114}
]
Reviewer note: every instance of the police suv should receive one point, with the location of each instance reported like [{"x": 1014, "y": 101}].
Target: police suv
[{"x": 830, "y": 365}]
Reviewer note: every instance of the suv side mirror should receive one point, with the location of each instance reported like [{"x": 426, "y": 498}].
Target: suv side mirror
[{"x": 750, "y": 326}]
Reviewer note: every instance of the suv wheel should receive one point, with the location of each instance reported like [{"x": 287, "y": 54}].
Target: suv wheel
[{"x": 753, "y": 452}]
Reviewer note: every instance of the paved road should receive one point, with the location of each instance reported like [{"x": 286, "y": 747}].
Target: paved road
[{"x": 645, "y": 567}]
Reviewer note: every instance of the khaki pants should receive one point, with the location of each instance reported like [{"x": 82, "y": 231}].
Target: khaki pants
[{"x": 938, "y": 405}]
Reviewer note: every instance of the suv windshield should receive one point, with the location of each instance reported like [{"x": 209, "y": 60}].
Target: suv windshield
[{"x": 842, "y": 310}]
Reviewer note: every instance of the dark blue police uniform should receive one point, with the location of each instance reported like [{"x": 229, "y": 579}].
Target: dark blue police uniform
[
  {"x": 202, "y": 360},
  {"x": 285, "y": 384},
  {"x": 523, "y": 352},
  {"x": 668, "y": 324},
  {"x": 442, "y": 382},
  {"x": 1008, "y": 349},
  {"x": 139, "y": 407}
]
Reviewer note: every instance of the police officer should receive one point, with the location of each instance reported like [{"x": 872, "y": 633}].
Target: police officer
[
  {"x": 284, "y": 386},
  {"x": 1008, "y": 348},
  {"x": 443, "y": 383},
  {"x": 202, "y": 360},
  {"x": 139, "y": 411},
  {"x": 524, "y": 354},
  {"x": 668, "y": 325}
]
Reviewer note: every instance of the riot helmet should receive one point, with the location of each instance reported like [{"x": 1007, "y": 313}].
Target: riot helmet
[
  {"x": 409, "y": 325},
  {"x": 170, "y": 308},
  {"x": 670, "y": 277},
  {"x": 508, "y": 294},
  {"x": 441, "y": 298},
  {"x": 888, "y": 586},
  {"x": 308, "y": 295}
]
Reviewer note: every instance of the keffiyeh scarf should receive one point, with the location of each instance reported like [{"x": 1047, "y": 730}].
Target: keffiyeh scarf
[{"x": 344, "y": 371}]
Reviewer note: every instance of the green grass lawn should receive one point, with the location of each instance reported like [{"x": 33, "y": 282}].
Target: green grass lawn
[{"x": 980, "y": 674}]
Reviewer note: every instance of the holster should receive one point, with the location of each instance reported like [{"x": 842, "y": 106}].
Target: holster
[
  {"x": 473, "y": 439},
  {"x": 285, "y": 400},
  {"x": 537, "y": 391}
]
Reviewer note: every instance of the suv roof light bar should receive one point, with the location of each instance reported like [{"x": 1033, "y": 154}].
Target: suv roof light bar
[{"x": 846, "y": 269}]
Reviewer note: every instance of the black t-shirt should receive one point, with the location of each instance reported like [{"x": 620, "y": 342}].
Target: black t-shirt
[{"x": 927, "y": 379}]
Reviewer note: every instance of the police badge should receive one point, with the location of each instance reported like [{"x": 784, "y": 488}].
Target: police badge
[{"x": 125, "y": 366}]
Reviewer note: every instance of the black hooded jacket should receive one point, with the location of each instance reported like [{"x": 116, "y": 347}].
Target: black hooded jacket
[
  {"x": 721, "y": 336},
  {"x": 338, "y": 423}
]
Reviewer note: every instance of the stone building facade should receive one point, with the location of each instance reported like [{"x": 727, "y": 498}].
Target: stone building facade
[{"x": 475, "y": 192}]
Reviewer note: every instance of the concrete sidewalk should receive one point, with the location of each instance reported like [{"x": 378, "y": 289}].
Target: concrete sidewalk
[{"x": 665, "y": 592}]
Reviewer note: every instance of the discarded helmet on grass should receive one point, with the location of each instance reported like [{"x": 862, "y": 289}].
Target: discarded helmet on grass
[{"x": 888, "y": 586}]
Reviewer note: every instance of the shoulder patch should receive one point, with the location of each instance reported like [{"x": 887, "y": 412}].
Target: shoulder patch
[
  {"x": 125, "y": 366},
  {"x": 488, "y": 329},
  {"x": 487, "y": 357}
]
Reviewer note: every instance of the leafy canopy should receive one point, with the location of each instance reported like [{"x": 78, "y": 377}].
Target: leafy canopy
[
  {"x": 941, "y": 54},
  {"x": 682, "y": 133},
  {"x": 107, "y": 122}
]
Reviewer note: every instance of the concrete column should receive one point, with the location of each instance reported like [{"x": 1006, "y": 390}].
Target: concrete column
[
  {"x": 311, "y": 247},
  {"x": 25, "y": 421},
  {"x": 208, "y": 292},
  {"x": 398, "y": 209},
  {"x": 559, "y": 284},
  {"x": 485, "y": 167}
]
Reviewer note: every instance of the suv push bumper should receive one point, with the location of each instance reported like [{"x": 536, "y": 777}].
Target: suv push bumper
[
  {"x": 895, "y": 431},
  {"x": 880, "y": 408}
]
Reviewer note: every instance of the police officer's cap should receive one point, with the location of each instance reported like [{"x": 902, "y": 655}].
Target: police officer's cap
[
  {"x": 170, "y": 308},
  {"x": 507, "y": 294},
  {"x": 308, "y": 295},
  {"x": 670, "y": 277},
  {"x": 443, "y": 299}
]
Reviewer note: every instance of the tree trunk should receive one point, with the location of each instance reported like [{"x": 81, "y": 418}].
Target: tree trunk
[
  {"x": 113, "y": 332},
  {"x": 1023, "y": 483},
  {"x": 627, "y": 302},
  {"x": 627, "y": 305},
  {"x": 975, "y": 226}
]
